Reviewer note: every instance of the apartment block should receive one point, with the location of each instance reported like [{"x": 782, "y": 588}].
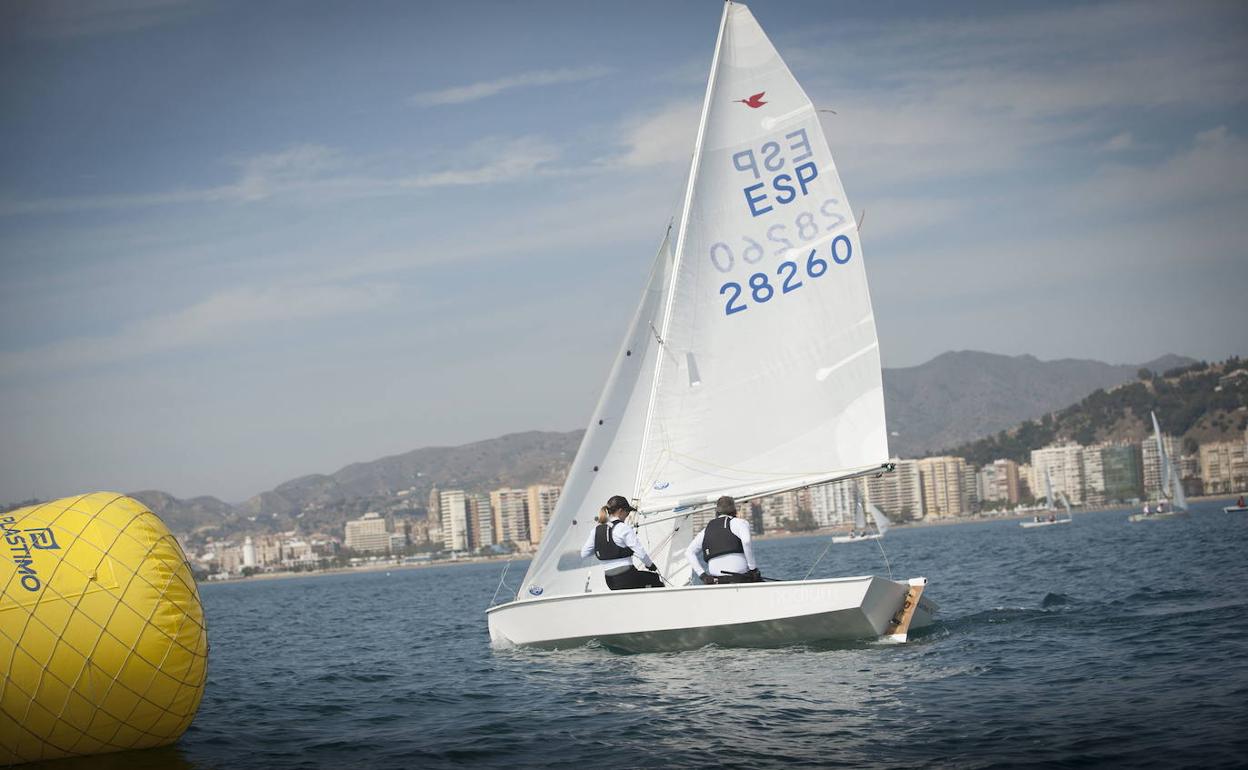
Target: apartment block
[
  {"x": 456, "y": 521},
  {"x": 999, "y": 481},
  {"x": 1064, "y": 465},
  {"x": 945, "y": 487},
  {"x": 542, "y": 500},
  {"x": 480, "y": 520},
  {"x": 898, "y": 494},
  {"x": 368, "y": 534},
  {"x": 1224, "y": 467},
  {"x": 1122, "y": 470},
  {"x": 511, "y": 515}
]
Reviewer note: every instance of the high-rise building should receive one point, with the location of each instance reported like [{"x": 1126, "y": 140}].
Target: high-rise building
[
  {"x": 1025, "y": 489},
  {"x": 542, "y": 499},
  {"x": 1093, "y": 464},
  {"x": 511, "y": 515},
  {"x": 945, "y": 487},
  {"x": 433, "y": 514},
  {"x": 1224, "y": 467},
  {"x": 779, "y": 510},
  {"x": 456, "y": 522},
  {"x": 368, "y": 534},
  {"x": 832, "y": 504},
  {"x": 1065, "y": 468},
  {"x": 998, "y": 482},
  {"x": 481, "y": 519},
  {"x": 1121, "y": 468},
  {"x": 898, "y": 494},
  {"x": 249, "y": 552}
]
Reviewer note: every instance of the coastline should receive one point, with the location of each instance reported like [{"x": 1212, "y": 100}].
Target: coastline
[{"x": 781, "y": 535}]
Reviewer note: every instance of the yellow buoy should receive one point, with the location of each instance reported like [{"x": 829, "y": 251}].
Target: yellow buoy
[{"x": 102, "y": 639}]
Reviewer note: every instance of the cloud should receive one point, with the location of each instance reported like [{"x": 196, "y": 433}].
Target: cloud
[
  {"x": 514, "y": 159},
  {"x": 656, "y": 138},
  {"x": 1213, "y": 168},
  {"x": 1119, "y": 142},
  {"x": 318, "y": 173},
  {"x": 70, "y": 18},
  {"x": 266, "y": 175},
  {"x": 221, "y": 316},
  {"x": 487, "y": 88},
  {"x": 991, "y": 95}
]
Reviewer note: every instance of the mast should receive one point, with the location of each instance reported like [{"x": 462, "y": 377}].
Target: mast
[{"x": 680, "y": 243}]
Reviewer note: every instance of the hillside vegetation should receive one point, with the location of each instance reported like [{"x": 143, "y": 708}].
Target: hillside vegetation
[{"x": 1198, "y": 403}]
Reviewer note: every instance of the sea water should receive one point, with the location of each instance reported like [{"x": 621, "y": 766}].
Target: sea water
[{"x": 1100, "y": 641}]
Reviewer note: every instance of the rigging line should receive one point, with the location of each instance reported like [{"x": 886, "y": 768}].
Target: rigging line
[
  {"x": 816, "y": 564},
  {"x": 887, "y": 566},
  {"x": 499, "y": 587}
]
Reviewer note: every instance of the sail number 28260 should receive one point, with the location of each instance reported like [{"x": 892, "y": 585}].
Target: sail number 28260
[{"x": 789, "y": 277}]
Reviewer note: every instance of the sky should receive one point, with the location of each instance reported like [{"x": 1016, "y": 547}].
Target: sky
[{"x": 243, "y": 242}]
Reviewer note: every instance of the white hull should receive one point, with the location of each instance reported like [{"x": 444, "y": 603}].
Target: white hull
[
  {"x": 848, "y": 539},
  {"x": 1156, "y": 516},
  {"x": 1030, "y": 524},
  {"x": 1235, "y": 509},
  {"x": 769, "y": 614}
]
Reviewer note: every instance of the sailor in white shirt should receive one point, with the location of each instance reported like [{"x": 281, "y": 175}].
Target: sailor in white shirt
[
  {"x": 723, "y": 553},
  {"x": 615, "y": 544}
]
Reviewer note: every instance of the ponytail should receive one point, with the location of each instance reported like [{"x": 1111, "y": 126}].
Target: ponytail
[{"x": 603, "y": 515}]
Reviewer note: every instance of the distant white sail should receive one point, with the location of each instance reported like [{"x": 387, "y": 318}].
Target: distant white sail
[
  {"x": 1171, "y": 485},
  {"x": 1163, "y": 459},
  {"x": 1048, "y": 491},
  {"x": 881, "y": 521},
  {"x": 860, "y": 516},
  {"x": 771, "y": 376}
]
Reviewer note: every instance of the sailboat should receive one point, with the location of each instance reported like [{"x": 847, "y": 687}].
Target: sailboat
[
  {"x": 860, "y": 531},
  {"x": 1052, "y": 516},
  {"x": 751, "y": 367},
  {"x": 1171, "y": 501}
]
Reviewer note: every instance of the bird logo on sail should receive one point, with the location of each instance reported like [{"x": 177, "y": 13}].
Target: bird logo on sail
[{"x": 755, "y": 101}]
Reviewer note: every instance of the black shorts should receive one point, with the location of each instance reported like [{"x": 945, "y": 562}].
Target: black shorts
[{"x": 634, "y": 578}]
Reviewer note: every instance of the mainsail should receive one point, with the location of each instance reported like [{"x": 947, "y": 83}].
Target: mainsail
[
  {"x": 752, "y": 365},
  {"x": 881, "y": 521},
  {"x": 1049, "y": 502},
  {"x": 771, "y": 378},
  {"x": 1171, "y": 485}
]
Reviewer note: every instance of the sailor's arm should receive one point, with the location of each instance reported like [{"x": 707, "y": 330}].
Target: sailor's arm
[
  {"x": 742, "y": 529},
  {"x": 693, "y": 554},
  {"x": 588, "y": 548},
  {"x": 632, "y": 541}
]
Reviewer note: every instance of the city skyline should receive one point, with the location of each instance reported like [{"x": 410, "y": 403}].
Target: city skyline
[{"x": 346, "y": 237}]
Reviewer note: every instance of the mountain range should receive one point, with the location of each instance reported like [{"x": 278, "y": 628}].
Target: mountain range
[{"x": 952, "y": 399}]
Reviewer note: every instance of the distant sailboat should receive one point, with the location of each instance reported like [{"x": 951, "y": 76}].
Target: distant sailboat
[
  {"x": 751, "y": 368},
  {"x": 1052, "y": 517},
  {"x": 860, "y": 531},
  {"x": 1171, "y": 501},
  {"x": 1238, "y": 507}
]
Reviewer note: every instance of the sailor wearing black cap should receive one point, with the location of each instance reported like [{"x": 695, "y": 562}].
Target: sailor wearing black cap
[
  {"x": 615, "y": 544},
  {"x": 723, "y": 553}
]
